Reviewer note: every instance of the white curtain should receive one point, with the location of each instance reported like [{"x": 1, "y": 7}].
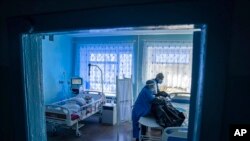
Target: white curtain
[
  {"x": 114, "y": 59},
  {"x": 124, "y": 99},
  {"x": 32, "y": 69},
  {"x": 173, "y": 59}
]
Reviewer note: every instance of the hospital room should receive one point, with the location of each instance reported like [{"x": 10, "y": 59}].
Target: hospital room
[{"x": 116, "y": 84}]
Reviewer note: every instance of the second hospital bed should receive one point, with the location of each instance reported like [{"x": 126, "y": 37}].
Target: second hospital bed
[{"x": 69, "y": 112}]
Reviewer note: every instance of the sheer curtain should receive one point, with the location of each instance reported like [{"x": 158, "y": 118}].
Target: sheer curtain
[
  {"x": 32, "y": 62},
  {"x": 173, "y": 59},
  {"x": 114, "y": 58}
]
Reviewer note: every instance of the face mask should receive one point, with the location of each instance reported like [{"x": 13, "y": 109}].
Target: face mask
[
  {"x": 152, "y": 89},
  {"x": 159, "y": 81}
]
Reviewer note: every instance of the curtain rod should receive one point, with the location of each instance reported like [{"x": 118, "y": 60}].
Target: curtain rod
[
  {"x": 103, "y": 42},
  {"x": 175, "y": 41}
]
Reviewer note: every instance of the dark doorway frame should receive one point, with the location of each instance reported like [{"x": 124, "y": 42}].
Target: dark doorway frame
[{"x": 128, "y": 16}]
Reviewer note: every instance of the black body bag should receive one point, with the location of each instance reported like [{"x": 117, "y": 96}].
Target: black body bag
[{"x": 166, "y": 114}]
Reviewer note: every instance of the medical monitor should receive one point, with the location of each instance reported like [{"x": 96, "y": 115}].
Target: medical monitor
[{"x": 76, "y": 81}]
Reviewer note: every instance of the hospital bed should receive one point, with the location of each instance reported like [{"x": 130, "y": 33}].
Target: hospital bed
[
  {"x": 181, "y": 101},
  {"x": 68, "y": 113}
]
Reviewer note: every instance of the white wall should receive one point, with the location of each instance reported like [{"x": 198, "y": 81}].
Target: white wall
[{"x": 57, "y": 66}]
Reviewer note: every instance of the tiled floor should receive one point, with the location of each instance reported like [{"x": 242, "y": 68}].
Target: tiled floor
[{"x": 94, "y": 131}]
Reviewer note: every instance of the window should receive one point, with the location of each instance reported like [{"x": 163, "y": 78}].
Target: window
[
  {"x": 114, "y": 59},
  {"x": 173, "y": 59},
  {"x": 171, "y": 55}
]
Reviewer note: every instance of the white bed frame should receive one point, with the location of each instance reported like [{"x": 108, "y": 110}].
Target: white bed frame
[{"x": 56, "y": 115}]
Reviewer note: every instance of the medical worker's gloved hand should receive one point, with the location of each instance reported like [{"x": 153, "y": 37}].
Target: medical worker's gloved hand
[
  {"x": 162, "y": 93},
  {"x": 168, "y": 98},
  {"x": 158, "y": 101}
]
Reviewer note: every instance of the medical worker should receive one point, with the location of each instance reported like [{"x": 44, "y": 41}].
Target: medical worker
[
  {"x": 158, "y": 80},
  {"x": 142, "y": 106}
]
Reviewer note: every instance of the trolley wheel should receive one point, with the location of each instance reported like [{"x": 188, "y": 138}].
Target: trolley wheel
[{"x": 78, "y": 134}]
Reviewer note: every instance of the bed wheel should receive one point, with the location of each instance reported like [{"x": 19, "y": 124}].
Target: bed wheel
[{"x": 78, "y": 134}]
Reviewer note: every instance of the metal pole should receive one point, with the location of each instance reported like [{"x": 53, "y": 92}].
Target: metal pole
[{"x": 101, "y": 74}]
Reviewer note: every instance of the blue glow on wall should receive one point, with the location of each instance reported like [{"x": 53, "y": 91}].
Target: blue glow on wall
[{"x": 57, "y": 68}]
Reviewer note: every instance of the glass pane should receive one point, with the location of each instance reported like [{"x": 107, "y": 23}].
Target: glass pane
[
  {"x": 106, "y": 56},
  {"x": 173, "y": 59},
  {"x": 125, "y": 65}
]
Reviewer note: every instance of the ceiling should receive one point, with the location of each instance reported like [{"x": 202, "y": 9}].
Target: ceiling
[{"x": 149, "y": 30}]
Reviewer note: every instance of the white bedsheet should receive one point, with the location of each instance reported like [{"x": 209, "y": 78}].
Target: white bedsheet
[{"x": 72, "y": 107}]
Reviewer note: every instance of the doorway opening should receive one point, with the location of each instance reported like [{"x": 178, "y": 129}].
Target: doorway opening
[{"x": 66, "y": 64}]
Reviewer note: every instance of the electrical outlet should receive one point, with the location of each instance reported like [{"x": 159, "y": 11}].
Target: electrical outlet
[{"x": 61, "y": 82}]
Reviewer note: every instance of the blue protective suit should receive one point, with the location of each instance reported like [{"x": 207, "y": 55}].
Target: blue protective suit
[{"x": 141, "y": 107}]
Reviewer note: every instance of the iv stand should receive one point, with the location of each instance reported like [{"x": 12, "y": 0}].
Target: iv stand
[{"x": 91, "y": 65}]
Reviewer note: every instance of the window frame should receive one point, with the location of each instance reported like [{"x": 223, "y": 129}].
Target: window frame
[{"x": 128, "y": 50}]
